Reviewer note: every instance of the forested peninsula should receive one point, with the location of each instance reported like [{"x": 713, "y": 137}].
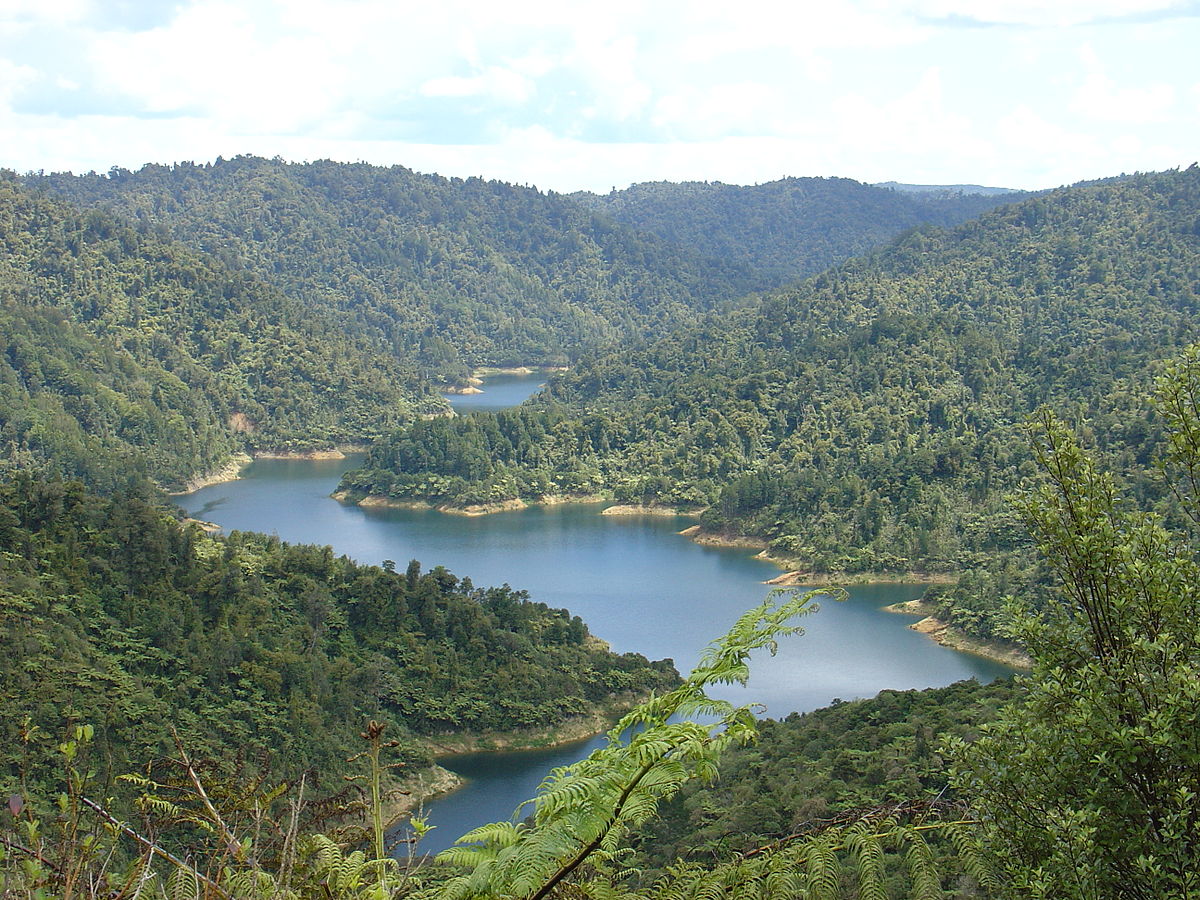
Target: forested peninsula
[
  {"x": 870, "y": 420},
  {"x": 248, "y": 648}
]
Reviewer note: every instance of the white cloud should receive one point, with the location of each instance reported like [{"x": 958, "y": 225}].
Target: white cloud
[
  {"x": 211, "y": 60},
  {"x": 1040, "y": 13},
  {"x": 13, "y": 78},
  {"x": 58, "y": 12},
  {"x": 566, "y": 94},
  {"x": 1101, "y": 98},
  {"x": 497, "y": 83}
]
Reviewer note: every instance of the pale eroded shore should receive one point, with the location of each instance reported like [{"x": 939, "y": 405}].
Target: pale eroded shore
[
  {"x": 949, "y": 636},
  {"x": 437, "y": 781},
  {"x": 232, "y": 470},
  {"x": 633, "y": 509},
  {"x": 475, "y": 509}
]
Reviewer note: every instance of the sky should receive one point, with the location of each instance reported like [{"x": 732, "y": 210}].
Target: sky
[{"x": 594, "y": 96}]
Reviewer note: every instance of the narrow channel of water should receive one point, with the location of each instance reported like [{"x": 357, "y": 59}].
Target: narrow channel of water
[
  {"x": 634, "y": 580},
  {"x": 499, "y": 392}
]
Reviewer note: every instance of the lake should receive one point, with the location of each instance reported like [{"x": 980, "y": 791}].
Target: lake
[
  {"x": 637, "y": 583},
  {"x": 499, "y": 392}
]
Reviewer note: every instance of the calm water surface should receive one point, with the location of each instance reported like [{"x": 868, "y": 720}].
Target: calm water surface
[
  {"x": 637, "y": 584},
  {"x": 499, "y": 391}
]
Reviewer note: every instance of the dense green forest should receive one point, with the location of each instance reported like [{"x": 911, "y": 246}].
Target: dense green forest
[
  {"x": 870, "y": 419},
  {"x": 1077, "y": 782},
  {"x": 453, "y": 273},
  {"x": 787, "y": 229},
  {"x": 116, "y": 615},
  {"x": 954, "y": 402},
  {"x": 450, "y": 274},
  {"x": 120, "y": 350},
  {"x": 826, "y": 765},
  {"x": 166, "y": 319}
]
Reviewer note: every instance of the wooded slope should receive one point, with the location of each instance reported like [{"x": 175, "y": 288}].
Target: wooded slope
[
  {"x": 787, "y": 229},
  {"x": 868, "y": 420},
  {"x": 121, "y": 351}
]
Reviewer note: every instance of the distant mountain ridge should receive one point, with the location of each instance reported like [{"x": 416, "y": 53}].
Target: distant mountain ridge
[
  {"x": 787, "y": 229},
  {"x": 275, "y": 304},
  {"x": 455, "y": 273},
  {"x": 450, "y": 273},
  {"x": 965, "y": 189}
]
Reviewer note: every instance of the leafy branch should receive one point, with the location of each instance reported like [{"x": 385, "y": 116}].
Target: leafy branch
[{"x": 583, "y": 811}]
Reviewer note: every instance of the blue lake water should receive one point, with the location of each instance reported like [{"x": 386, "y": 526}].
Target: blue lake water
[
  {"x": 635, "y": 581},
  {"x": 499, "y": 392}
]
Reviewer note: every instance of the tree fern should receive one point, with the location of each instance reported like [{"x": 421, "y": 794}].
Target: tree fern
[{"x": 583, "y": 811}]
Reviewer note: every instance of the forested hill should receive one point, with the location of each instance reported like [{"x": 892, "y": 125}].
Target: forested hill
[
  {"x": 449, "y": 272},
  {"x": 121, "y": 351},
  {"x": 867, "y": 420},
  {"x": 788, "y": 229},
  {"x": 454, "y": 273},
  {"x": 115, "y": 615}
]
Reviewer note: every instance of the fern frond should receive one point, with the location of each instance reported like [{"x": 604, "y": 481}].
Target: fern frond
[
  {"x": 182, "y": 885},
  {"x": 867, "y": 846},
  {"x": 823, "y": 868},
  {"x": 927, "y": 884},
  {"x": 974, "y": 858}
]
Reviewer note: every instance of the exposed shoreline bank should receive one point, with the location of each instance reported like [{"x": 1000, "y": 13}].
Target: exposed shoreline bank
[
  {"x": 802, "y": 578},
  {"x": 338, "y": 452},
  {"x": 635, "y": 509},
  {"x": 930, "y": 626},
  {"x": 380, "y": 501},
  {"x": 405, "y": 795},
  {"x": 233, "y": 469},
  {"x": 488, "y": 371},
  {"x": 479, "y": 375},
  {"x": 948, "y": 636},
  {"x": 698, "y": 535},
  {"x": 794, "y": 577}
]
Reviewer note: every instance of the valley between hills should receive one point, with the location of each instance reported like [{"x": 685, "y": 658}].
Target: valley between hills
[{"x": 994, "y": 394}]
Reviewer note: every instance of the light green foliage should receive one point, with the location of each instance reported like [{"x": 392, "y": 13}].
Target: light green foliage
[
  {"x": 1088, "y": 787},
  {"x": 346, "y": 876},
  {"x": 838, "y": 861},
  {"x": 873, "y": 758}
]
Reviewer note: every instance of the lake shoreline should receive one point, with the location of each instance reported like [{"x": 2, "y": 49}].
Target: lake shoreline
[
  {"x": 947, "y": 635},
  {"x": 935, "y": 629},
  {"x": 437, "y": 781},
  {"x": 513, "y": 504},
  {"x": 675, "y": 597},
  {"x": 474, "y": 382},
  {"x": 637, "y": 509},
  {"x": 800, "y": 578},
  {"x": 232, "y": 470}
]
